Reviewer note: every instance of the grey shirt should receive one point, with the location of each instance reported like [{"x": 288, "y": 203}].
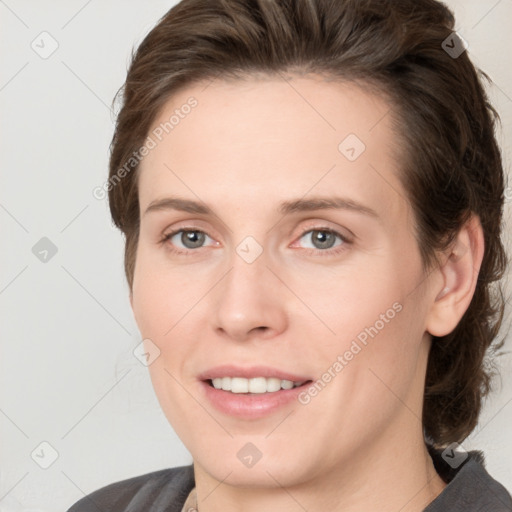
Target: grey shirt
[{"x": 470, "y": 489}]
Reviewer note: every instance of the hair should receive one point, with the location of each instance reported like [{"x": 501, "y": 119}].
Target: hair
[{"x": 450, "y": 167}]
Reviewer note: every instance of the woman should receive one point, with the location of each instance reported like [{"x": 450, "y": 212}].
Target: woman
[{"x": 311, "y": 194}]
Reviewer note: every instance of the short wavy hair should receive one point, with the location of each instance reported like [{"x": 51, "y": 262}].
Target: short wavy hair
[{"x": 451, "y": 164}]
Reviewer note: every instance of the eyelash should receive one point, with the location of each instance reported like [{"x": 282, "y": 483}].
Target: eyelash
[{"x": 312, "y": 252}]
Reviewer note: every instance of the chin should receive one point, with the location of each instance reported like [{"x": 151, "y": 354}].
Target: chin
[
  {"x": 263, "y": 474},
  {"x": 238, "y": 462}
]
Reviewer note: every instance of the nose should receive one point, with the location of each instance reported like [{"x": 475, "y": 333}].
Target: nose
[{"x": 250, "y": 301}]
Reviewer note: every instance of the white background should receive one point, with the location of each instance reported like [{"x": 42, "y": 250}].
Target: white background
[{"x": 67, "y": 373}]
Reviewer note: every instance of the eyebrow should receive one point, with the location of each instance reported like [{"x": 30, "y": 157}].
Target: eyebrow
[{"x": 285, "y": 208}]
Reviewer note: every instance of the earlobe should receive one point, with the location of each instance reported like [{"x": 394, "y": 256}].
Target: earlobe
[{"x": 459, "y": 278}]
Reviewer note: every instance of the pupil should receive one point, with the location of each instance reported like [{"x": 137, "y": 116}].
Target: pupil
[
  {"x": 195, "y": 237},
  {"x": 323, "y": 235}
]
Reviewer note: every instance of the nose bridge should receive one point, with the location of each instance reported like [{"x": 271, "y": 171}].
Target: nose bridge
[
  {"x": 248, "y": 296},
  {"x": 248, "y": 254},
  {"x": 246, "y": 281}
]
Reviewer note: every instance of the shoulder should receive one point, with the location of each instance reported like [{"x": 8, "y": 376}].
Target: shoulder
[
  {"x": 166, "y": 489},
  {"x": 470, "y": 487}
]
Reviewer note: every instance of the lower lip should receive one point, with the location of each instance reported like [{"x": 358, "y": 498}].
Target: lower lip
[{"x": 250, "y": 406}]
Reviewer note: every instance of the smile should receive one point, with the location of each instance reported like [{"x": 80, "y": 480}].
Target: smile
[{"x": 256, "y": 385}]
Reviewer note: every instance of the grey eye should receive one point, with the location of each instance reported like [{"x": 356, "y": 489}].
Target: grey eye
[
  {"x": 191, "y": 239},
  {"x": 321, "y": 238}
]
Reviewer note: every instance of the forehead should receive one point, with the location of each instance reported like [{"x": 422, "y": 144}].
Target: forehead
[{"x": 274, "y": 138}]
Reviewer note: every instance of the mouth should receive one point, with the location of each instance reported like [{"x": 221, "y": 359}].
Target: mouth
[
  {"x": 254, "y": 385},
  {"x": 251, "y": 393}
]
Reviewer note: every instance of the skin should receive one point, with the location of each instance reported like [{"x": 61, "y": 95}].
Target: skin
[{"x": 245, "y": 148}]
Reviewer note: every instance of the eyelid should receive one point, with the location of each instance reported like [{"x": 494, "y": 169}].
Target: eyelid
[
  {"x": 166, "y": 236},
  {"x": 317, "y": 225},
  {"x": 323, "y": 225},
  {"x": 332, "y": 252},
  {"x": 189, "y": 225}
]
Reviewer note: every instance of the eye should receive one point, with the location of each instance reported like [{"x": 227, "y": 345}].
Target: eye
[
  {"x": 323, "y": 240},
  {"x": 190, "y": 238}
]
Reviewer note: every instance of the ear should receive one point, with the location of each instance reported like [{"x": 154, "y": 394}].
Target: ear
[{"x": 459, "y": 276}]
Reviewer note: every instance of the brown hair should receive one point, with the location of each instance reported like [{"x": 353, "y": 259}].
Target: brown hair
[{"x": 451, "y": 162}]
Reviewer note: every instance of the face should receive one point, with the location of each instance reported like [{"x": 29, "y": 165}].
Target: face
[{"x": 252, "y": 282}]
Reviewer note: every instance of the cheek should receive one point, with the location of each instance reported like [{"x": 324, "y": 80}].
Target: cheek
[
  {"x": 377, "y": 319},
  {"x": 161, "y": 296},
  {"x": 387, "y": 371},
  {"x": 166, "y": 305},
  {"x": 337, "y": 305},
  {"x": 356, "y": 303}
]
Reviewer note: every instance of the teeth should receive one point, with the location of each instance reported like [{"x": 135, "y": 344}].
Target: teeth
[
  {"x": 225, "y": 383},
  {"x": 255, "y": 385}
]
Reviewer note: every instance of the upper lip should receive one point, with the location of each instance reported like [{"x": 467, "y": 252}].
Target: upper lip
[{"x": 250, "y": 372}]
